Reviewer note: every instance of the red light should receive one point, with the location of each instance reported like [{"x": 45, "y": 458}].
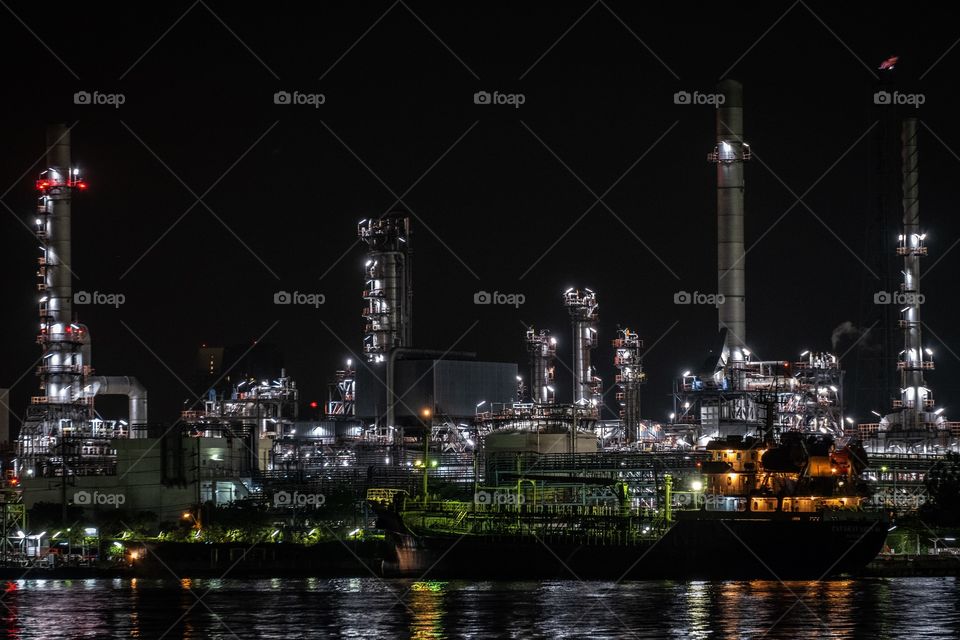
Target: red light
[
  {"x": 314, "y": 404},
  {"x": 69, "y": 329},
  {"x": 81, "y": 185}
]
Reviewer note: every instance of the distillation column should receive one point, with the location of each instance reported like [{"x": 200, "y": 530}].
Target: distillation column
[
  {"x": 582, "y": 306},
  {"x": 630, "y": 376},
  {"x": 543, "y": 350},
  {"x": 729, "y": 155},
  {"x": 388, "y": 292},
  {"x": 65, "y": 343}
]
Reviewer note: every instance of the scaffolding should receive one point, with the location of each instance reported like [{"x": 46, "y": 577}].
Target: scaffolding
[
  {"x": 341, "y": 393},
  {"x": 750, "y": 396}
]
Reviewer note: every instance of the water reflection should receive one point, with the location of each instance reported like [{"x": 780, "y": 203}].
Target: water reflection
[
  {"x": 426, "y": 603},
  {"x": 914, "y": 608}
]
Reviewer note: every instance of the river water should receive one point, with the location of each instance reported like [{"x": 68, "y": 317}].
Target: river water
[{"x": 915, "y": 608}]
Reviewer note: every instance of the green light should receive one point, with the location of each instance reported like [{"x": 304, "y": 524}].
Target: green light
[{"x": 433, "y": 463}]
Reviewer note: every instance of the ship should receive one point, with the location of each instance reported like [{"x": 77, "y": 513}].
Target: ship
[{"x": 792, "y": 509}]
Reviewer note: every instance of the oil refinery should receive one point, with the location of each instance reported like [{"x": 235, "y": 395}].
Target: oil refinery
[{"x": 431, "y": 442}]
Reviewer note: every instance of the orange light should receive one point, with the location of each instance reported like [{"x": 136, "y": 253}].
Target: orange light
[{"x": 426, "y": 413}]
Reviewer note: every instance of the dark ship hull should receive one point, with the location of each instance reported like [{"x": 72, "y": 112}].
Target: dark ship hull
[{"x": 700, "y": 545}]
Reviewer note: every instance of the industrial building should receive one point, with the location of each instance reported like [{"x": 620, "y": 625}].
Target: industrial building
[{"x": 403, "y": 412}]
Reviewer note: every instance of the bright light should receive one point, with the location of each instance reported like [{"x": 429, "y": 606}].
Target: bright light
[
  {"x": 939, "y": 411},
  {"x": 276, "y": 531},
  {"x": 519, "y": 378},
  {"x": 672, "y": 416},
  {"x": 876, "y": 414},
  {"x": 804, "y": 353},
  {"x": 426, "y": 412},
  {"x": 686, "y": 405},
  {"x": 186, "y": 515},
  {"x": 90, "y": 531},
  {"x": 686, "y": 373},
  {"x": 349, "y": 362},
  {"x": 119, "y": 545},
  {"x": 481, "y": 403},
  {"x": 849, "y": 420},
  {"x": 746, "y": 352},
  {"x": 929, "y": 352},
  {"x": 696, "y": 485},
  {"x": 21, "y": 534}
]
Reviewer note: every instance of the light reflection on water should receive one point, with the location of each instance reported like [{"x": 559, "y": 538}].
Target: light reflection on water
[{"x": 915, "y": 608}]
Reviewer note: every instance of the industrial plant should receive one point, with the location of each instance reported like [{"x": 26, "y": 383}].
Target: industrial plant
[{"x": 406, "y": 421}]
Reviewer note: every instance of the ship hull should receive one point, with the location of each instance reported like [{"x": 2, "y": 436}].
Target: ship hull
[{"x": 703, "y": 546}]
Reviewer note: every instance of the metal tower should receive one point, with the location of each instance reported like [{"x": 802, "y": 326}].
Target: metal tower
[
  {"x": 388, "y": 291},
  {"x": 543, "y": 350},
  {"x": 582, "y": 306},
  {"x": 630, "y": 376},
  {"x": 64, "y": 366},
  {"x": 729, "y": 154},
  {"x": 914, "y": 423}
]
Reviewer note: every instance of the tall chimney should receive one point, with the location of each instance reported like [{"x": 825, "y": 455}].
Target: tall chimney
[
  {"x": 58, "y": 255},
  {"x": 729, "y": 155},
  {"x": 915, "y": 396}
]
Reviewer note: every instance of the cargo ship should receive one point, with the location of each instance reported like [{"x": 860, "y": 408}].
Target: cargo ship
[{"x": 793, "y": 509}]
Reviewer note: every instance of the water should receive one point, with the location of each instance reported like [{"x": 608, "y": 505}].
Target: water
[{"x": 915, "y": 608}]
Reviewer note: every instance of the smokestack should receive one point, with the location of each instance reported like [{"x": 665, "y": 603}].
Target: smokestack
[
  {"x": 915, "y": 396},
  {"x": 729, "y": 155},
  {"x": 58, "y": 255}
]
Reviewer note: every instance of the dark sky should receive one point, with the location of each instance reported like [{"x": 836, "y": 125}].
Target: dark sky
[{"x": 290, "y": 182}]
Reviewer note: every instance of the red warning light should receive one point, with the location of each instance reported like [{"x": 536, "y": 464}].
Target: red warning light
[
  {"x": 80, "y": 184},
  {"x": 314, "y": 404}
]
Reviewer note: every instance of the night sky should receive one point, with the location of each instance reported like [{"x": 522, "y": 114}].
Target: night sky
[{"x": 495, "y": 189}]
